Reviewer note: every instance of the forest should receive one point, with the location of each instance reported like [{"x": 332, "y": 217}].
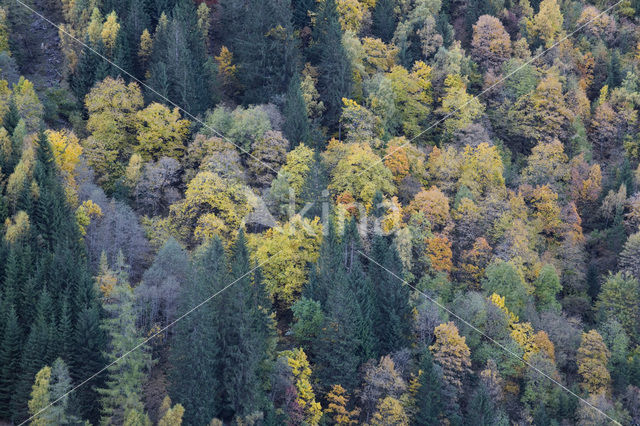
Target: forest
[{"x": 319, "y": 212}]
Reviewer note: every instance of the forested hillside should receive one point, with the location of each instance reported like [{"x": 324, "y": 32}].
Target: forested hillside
[{"x": 320, "y": 212}]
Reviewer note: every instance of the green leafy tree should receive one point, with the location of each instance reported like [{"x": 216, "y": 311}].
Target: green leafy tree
[
  {"x": 503, "y": 278},
  {"x": 619, "y": 298},
  {"x": 546, "y": 288}
]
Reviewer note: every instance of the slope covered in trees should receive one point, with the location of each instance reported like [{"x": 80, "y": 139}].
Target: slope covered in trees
[{"x": 320, "y": 212}]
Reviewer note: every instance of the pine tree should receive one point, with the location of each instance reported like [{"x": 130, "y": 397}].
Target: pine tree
[
  {"x": 296, "y": 125},
  {"x": 334, "y": 67}
]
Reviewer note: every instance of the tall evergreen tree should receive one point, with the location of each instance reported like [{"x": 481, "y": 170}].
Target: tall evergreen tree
[
  {"x": 9, "y": 360},
  {"x": 296, "y": 121},
  {"x": 195, "y": 352},
  {"x": 37, "y": 352},
  {"x": 314, "y": 190},
  {"x": 260, "y": 36},
  {"x": 384, "y": 20},
  {"x": 338, "y": 360},
  {"x": 428, "y": 397},
  {"x": 334, "y": 68},
  {"x": 178, "y": 65},
  {"x": 86, "y": 359},
  {"x": 392, "y": 314}
]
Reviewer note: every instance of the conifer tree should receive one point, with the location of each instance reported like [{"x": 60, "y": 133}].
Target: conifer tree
[
  {"x": 260, "y": 35},
  {"x": 9, "y": 360},
  {"x": 429, "y": 398},
  {"x": 392, "y": 312},
  {"x": 338, "y": 360},
  {"x": 384, "y": 20},
  {"x": 296, "y": 125},
  {"x": 195, "y": 352},
  {"x": 178, "y": 64},
  {"x": 123, "y": 387},
  {"x": 334, "y": 67}
]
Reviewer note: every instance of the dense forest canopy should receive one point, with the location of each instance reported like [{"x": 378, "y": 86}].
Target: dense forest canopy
[{"x": 318, "y": 212}]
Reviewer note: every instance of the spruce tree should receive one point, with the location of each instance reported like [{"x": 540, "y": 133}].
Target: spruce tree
[
  {"x": 11, "y": 117},
  {"x": 384, "y": 20},
  {"x": 314, "y": 191},
  {"x": 195, "y": 352},
  {"x": 338, "y": 358},
  {"x": 428, "y": 397},
  {"x": 86, "y": 359},
  {"x": 362, "y": 287},
  {"x": 37, "y": 352},
  {"x": 178, "y": 64},
  {"x": 260, "y": 35},
  {"x": 10, "y": 349},
  {"x": 241, "y": 338},
  {"x": 84, "y": 75},
  {"x": 334, "y": 67},
  {"x": 481, "y": 410},
  {"x": 392, "y": 314},
  {"x": 296, "y": 122},
  {"x": 325, "y": 273}
]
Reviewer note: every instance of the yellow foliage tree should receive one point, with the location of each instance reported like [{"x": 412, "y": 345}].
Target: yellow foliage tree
[
  {"x": 28, "y": 104},
  {"x": 66, "y": 152},
  {"x": 592, "y": 358},
  {"x": 338, "y": 400},
  {"x": 211, "y": 206},
  {"x": 297, "y": 360},
  {"x": 17, "y": 228},
  {"x": 112, "y": 106},
  {"x": 481, "y": 169},
  {"x": 109, "y": 31},
  {"x": 459, "y": 107},
  {"x": 390, "y": 412},
  {"x": 161, "y": 132},
  {"x": 288, "y": 249},
  {"x": 170, "y": 416},
  {"x": 40, "y": 398},
  {"x": 451, "y": 352},
  {"x": 546, "y": 25}
]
